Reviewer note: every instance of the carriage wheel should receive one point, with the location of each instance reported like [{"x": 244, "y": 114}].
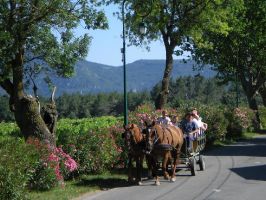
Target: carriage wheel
[
  {"x": 202, "y": 163},
  {"x": 192, "y": 164}
]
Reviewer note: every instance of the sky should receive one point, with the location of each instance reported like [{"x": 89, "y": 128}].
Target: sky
[{"x": 106, "y": 45}]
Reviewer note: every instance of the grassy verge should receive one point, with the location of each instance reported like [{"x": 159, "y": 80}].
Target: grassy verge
[{"x": 85, "y": 184}]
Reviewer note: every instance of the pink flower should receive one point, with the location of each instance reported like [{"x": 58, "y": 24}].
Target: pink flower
[{"x": 70, "y": 164}]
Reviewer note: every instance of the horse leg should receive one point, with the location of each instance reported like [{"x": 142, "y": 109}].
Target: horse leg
[
  {"x": 176, "y": 162},
  {"x": 164, "y": 165},
  {"x": 139, "y": 163},
  {"x": 150, "y": 165},
  {"x": 155, "y": 169},
  {"x": 130, "y": 177}
]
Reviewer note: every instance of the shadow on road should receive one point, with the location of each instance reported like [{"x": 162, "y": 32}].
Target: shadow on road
[
  {"x": 255, "y": 148},
  {"x": 103, "y": 183},
  {"x": 248, "y": 172}
]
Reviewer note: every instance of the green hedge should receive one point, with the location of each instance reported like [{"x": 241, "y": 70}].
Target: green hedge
[
  {"x": 94, "y": 143},
  {"x": 8, "y": 129},
  {"x": 262, "y": 112},
  {"x": 18, "y": 162}
]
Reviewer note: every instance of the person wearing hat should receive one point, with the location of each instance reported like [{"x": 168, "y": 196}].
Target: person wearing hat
[{"x": 189, "y": 129}]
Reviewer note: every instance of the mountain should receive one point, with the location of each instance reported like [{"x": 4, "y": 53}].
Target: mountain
[{"x": 93, "y": 77}]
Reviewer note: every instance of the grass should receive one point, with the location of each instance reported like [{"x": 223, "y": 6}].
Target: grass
[{"x": 86, "y": 184}]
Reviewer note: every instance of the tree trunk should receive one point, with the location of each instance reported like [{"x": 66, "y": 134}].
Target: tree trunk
[
  {"x": 30, "y": 122},
  {"x": 162, "y": 97},
  {"x": 262, "y": 92},
  {"x": 250, "y": 92},
  {"x": 26, "y": 108}
]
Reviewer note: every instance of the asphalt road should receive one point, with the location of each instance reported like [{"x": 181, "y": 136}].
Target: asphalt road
[{"x": 234, "y": 172}]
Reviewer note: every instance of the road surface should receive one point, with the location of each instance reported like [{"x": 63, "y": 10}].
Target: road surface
[{"x": 233, "y": 172}]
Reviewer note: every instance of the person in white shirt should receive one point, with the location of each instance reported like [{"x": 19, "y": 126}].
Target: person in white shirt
[
  {"x": 198, "y": 121},
  {"x": 164, "y": 119}
]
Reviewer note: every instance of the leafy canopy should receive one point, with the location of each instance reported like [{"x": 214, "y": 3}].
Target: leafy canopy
[
  {"x": 177, "y": 22},
  {"x": 44, "y": 31}
]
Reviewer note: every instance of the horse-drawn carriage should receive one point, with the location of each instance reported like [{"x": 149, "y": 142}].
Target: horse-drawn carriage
[
  {"x": 163, "y": 144},
  {"x": 192, "y": 156}
]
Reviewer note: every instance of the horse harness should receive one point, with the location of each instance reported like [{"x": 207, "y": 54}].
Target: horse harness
[{"x": 163, "y": 146}]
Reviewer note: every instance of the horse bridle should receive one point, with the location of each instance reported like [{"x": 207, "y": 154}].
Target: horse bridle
[
  {"x": 156, "y": 138},
  {"x": 132, "y": 141}
]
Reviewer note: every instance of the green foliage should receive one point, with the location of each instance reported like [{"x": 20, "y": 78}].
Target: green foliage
[
  {"x": 192, "y": 90},
  {"x": 8, "y": 129},
  {"x": 32, "y": 165},
  {"x": 239, "y": 54},
  {"x": 262, "y": 112},
  {"x": 42, "y": 178},
  {"x": 11, "y": 184},
  {"x": 46, "y": 30},
  {"x": 83, "y": 126},
  {"x": 91, "y": 143},
  {"x": 96, "y": 152},
  {"x": 95, "y": 105},
  {"x": 16, "y": 164},
  {"x": 240, "y": 121},
  {"x": 214, "y": 116}
]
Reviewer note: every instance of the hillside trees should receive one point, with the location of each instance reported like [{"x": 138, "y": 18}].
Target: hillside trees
[
  {"x": 240, "y": 55},
  {"x": 35, "y": 35},
  {"x": 175, "y": 22},
  {"x": 197, "y": 90}
]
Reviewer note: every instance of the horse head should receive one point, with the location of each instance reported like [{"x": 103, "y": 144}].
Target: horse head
[
  {"x": 132, "y": 135},
  {"x": 151, "y": 135}
]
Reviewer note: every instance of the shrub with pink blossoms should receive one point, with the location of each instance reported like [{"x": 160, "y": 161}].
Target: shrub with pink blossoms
[{"x": 54, "y": 162}]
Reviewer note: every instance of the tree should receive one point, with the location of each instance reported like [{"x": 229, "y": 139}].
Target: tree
[
  {"x": 38, "y": 36},
  {"x": 174, "y": 21},
  {"x": 262, "y": 92},
  {"x": 240, "y": 55}
]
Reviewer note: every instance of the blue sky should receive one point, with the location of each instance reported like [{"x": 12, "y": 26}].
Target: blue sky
[{"x": 106, "y": 45}]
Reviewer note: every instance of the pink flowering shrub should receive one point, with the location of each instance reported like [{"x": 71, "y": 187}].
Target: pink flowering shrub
[
  {"x": 241, "y": 120},
  {"x": 147, "y": 112},
  {"x": 53, "y": 167}
]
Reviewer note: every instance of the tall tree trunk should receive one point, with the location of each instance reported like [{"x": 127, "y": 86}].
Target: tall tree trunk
[
  {"x": 162, "y": 97},
  {"x": 26, "y": 108},
  {"x": 250, "y": 92},
  {"x": 30, "y": 121}
]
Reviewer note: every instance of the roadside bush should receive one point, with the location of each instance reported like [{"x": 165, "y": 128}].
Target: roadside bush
[
  {"x": 94, "y": 143},
  {"x": 214, "y": 116},
  {"x": 147, "y": 112},
  {"x": 95, "y": 152},
  {"x": 240, "y": 120},
  {"x": 42, "y": 177},
  {"x": 68, "y": 129},
  {"x": 217, "y": 124},
  {"x": 262, "y": 112},
  {"x": 53, "y": 166},
  {"x": 116, "y": 134},
  {"x": 16, "y": 162},
  {"x": 8, "y": 129},
  {"x": 12, "y": 184}
]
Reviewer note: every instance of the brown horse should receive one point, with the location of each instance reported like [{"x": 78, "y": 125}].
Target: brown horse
[
  {"x": 164, "y": 142},
  {"x": 135, "y": 144}
]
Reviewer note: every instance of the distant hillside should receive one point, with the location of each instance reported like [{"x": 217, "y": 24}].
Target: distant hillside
[{"x": 141, "y": 75}]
